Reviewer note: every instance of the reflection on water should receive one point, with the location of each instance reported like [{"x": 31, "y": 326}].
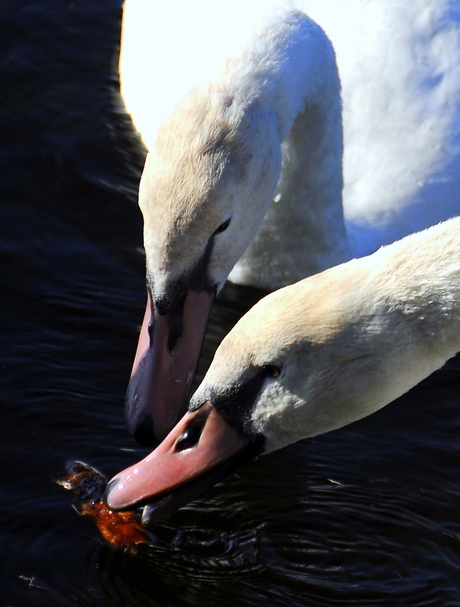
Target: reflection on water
[{"x": 368, "y": 515}]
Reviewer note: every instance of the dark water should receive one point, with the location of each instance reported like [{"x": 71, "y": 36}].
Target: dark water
[{"x": 369, "y": 515}]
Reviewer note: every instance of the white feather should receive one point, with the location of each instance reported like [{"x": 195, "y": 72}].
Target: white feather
[{"x": 399, "y": 64}]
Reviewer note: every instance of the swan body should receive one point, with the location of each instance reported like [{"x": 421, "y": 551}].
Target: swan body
[
  {"x": 313, "y": 357},
  {"x": 246, "y": 172}
]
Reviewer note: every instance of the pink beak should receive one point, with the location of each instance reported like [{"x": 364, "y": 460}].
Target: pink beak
[
  {"x": 200, "y": 450},
  {"x": 162, "y": 372}
]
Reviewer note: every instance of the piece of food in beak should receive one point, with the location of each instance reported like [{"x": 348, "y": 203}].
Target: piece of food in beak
[
  {"x": 165, "y": 362},
  {"x": 120, "y": 529},
  {"x": 200, "y": 450}
]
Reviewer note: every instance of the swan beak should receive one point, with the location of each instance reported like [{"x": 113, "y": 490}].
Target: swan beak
[
  {"x": 200, "y": 450},
  {"x": 164, "y": 366}
]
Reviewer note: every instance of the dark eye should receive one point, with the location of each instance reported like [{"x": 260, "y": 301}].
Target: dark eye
[
  {"x": 223, "y": 226},
  {"x": 271, "y": 371}
]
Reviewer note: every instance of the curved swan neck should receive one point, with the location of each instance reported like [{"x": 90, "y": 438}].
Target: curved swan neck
[
  {"x": 289, "y": 63},
  {"x": 304, "y": 231},
  {"x": 221, "y": 153}
]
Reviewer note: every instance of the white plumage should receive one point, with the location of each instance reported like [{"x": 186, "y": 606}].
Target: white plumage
[
  {"x": 251, "y": 176},
  {"x": 399, "y": 65}
]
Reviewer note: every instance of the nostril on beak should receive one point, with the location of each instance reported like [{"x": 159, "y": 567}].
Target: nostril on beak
[
  {"x": 192, "y": 434},
  {"x": 188, "y": 439}
]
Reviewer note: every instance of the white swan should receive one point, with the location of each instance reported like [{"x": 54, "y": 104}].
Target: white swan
[
  {"x": 310, "y": 358},
  {"x": 269, "y": 126}
]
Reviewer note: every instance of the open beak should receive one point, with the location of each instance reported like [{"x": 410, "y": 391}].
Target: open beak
[
  {"x": 200, "y": 450},
  {"x": 164, "y": 366}
]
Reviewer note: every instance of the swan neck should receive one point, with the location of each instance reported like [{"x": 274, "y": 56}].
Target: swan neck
[{"x": 304, "y": 231}]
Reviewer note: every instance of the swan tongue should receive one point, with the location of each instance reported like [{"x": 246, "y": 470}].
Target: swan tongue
[
  {"x": 200, "y": 450},
  {"x": 162, "y": 372}
]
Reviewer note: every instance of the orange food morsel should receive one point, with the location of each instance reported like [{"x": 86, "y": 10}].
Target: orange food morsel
[{"x": 117, "y": 528}]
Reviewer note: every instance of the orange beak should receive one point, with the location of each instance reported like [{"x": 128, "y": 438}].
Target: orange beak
[
  {"x": 200, "y": 450},
  {"x": 164, "y": 366}
]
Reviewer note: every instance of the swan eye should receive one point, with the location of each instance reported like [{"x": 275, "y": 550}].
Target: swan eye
[
  {"x": 223, "y": 226},
  {"x": 271, "y": 371}
]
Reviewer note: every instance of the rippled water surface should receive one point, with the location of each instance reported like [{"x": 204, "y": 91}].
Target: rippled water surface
[{"x": 369, "y": 515}]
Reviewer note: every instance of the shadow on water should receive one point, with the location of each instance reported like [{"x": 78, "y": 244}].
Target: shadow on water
[{"x": 367, "y": 515}]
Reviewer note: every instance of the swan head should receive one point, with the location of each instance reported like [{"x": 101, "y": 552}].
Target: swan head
[
  {"x": 303, "y": 361},
  {"x": 297, "y": 365},
  {"x": 205, "y": 188}
]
